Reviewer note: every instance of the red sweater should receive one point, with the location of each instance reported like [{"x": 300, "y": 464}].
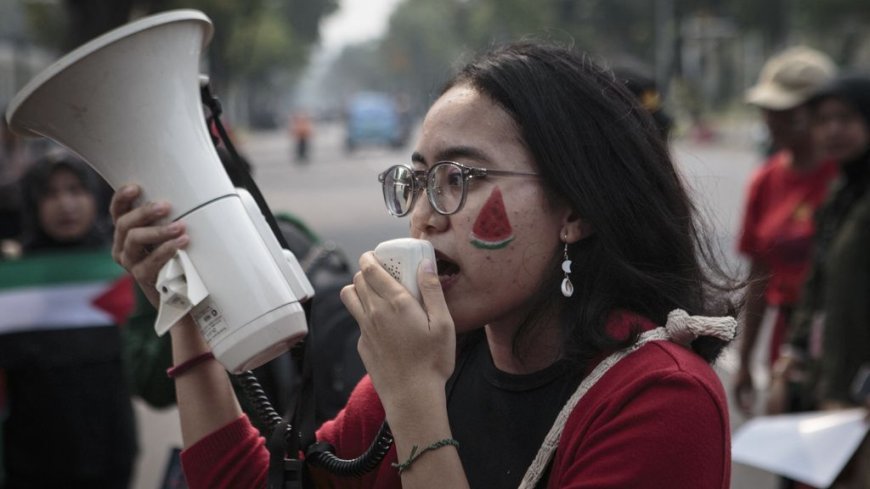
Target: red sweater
[
  {"x": 778, "y": 224},
  {"x": 657, "y": 419}
]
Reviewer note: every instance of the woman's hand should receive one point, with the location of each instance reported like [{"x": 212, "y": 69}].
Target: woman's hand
[
  {"x": 778, "y": 391},
  {"x": 141, "y": 245},
  {"x": 407, "y": 348}
]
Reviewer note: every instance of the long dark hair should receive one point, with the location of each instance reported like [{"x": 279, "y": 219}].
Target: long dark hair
[{"x": 599, "y": 151}]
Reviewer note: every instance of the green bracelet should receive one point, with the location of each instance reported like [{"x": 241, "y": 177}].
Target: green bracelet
[{"x": 415, "y": 454}]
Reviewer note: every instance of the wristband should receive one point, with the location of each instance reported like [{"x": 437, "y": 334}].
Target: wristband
[
  {"x": 414, "y": 455},
  {"x": 173, "y": 372}
]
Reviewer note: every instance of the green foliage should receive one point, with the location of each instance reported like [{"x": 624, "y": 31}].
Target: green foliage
[
  {"x": 256, "y": 38},
  {"x": 262, "y": 43},
  {"x": 47, "y": 25},
  {"x": 253, "y": 38}
]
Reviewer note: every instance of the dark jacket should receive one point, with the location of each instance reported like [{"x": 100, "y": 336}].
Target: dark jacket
[{"x": 832, "y": 326}]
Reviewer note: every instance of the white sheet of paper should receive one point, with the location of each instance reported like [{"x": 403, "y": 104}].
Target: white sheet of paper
[{"x": 808, "y": 447}]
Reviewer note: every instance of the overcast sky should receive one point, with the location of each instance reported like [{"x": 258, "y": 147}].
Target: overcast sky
[{"x": 356, "y": 20}]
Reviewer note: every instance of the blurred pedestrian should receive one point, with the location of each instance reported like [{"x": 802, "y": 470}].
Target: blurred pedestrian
[
  {"x": 783, "y": 195},
  {"x": 301, "y": 130},
  {"x": 831, "y": 339},
  {"x": 13, "y": 156},
  {"x": 70, "y": 421},
  {"x": 649, "y": 95}
]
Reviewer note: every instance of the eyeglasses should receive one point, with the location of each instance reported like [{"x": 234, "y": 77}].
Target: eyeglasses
[{"x": 446, "y": 185}]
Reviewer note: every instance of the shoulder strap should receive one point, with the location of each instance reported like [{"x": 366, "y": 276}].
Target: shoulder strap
[{"x": 680, "y": 328}]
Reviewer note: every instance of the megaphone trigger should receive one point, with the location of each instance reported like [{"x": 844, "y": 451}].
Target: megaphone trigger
[{"x": 180, "y": 288}]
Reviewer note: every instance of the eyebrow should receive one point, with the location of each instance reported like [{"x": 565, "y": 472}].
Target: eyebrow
[{"x": 452, "y": 153}]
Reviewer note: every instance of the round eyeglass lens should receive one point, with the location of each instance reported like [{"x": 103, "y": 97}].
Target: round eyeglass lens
[
  {"x": 445, "y": 187},
  {"x": 398, "y": 190}
]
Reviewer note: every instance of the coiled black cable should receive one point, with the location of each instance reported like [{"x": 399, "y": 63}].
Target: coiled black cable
[
  {"x": 319, "y": 454},
  {"x": 255, "y": 393}
]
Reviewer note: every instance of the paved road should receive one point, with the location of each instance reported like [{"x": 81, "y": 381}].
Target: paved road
[{"x": 338, "y": 195}]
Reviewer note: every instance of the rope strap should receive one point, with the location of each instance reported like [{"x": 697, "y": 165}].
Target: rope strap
[{"x": 681, "y": 328}]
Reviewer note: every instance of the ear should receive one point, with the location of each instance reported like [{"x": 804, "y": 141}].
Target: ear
[{"x": 574, "y": 228}]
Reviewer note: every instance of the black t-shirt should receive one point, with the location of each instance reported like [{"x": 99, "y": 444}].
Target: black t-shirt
[{"x": 501, "y": 419}]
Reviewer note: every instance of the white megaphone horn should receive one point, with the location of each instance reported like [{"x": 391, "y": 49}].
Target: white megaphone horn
[{"x": 128, "y": 102}]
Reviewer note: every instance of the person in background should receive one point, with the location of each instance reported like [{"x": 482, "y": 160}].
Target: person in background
[
  {"x": 650, "y": 97},
  {"x": 70, "y": 421},
  {"x": 831, "y": 339},
  {"x": 13, "y": 156},
  {"x": 777, "y": 230},
  {"x": 301, "y": 130},
  {"x": 570, "y": 292}
]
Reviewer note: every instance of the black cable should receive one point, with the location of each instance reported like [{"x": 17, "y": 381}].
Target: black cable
[
  {"x": 321, "y": 455},
  {"x": 254, "y": 392}
]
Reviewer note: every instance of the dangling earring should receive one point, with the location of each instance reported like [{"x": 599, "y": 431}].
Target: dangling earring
[{"x": 567, "y": 286}]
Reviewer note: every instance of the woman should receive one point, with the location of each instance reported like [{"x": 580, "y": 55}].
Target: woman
[
  {"x": 831, "y": 340},
  {"x": 576, "y": 238},
  {"x": 70, "y": 418},
  {"x": 776, "y": 235}
]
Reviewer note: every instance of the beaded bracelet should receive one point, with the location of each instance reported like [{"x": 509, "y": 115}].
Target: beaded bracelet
[
  {"x": 414, "y": 455},
  {"x": 173, "y": 372}
]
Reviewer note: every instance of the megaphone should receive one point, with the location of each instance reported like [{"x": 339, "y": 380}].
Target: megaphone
[{"x": 128, "y": 103}]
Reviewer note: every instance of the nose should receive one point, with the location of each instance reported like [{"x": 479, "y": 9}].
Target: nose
[
  {"x": 67, "y": 201},
  {"x": 424, "y": 219}
]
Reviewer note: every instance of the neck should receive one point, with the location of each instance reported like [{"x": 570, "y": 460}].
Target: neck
[
  {"x": 540, "y": 350},
  {"x": 802, "y": 157}
]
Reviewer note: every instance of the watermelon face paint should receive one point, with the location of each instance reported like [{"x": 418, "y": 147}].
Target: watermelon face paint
[{"x": 492, "y": 229}]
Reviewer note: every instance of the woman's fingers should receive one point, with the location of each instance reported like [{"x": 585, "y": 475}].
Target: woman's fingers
[
  {"x": 128, "y": 250},
  {"x": 122, "y": 201},
  {"x": 141, "y": 242},
  {"x": 146, "y": 270},
  {"x": 378, "y": 281}
]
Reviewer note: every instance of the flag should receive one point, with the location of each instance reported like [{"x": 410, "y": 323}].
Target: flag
[{"x": 46, "y": 300}]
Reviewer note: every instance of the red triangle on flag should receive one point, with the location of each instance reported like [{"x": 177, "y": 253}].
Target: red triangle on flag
[{"x": 118, "y": 300}]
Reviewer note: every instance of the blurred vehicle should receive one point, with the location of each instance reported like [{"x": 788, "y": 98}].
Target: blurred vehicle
[{"x": 373, "y": 119}]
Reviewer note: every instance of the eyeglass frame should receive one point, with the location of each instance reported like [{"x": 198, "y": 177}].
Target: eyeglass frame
[{"x": 420, "y": 182}]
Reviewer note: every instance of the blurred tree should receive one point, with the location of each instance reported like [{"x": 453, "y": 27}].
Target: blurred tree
[
  {"x": 840, "y": 25},
  {"x": 78, "y": 21},
  {"x": 426, "y": 37},
  {"x": 771, "y": 19}
]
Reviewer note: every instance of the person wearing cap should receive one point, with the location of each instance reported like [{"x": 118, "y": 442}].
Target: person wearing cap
[
  {"x": 830, "y": 342},
  {"x": 783, "y": 195}
]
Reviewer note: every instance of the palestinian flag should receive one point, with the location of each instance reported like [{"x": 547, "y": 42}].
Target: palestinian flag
[{"x": 62, "y": 307}]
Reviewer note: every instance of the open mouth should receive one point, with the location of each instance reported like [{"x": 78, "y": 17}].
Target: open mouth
[{"x": 447, "y": 268}]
